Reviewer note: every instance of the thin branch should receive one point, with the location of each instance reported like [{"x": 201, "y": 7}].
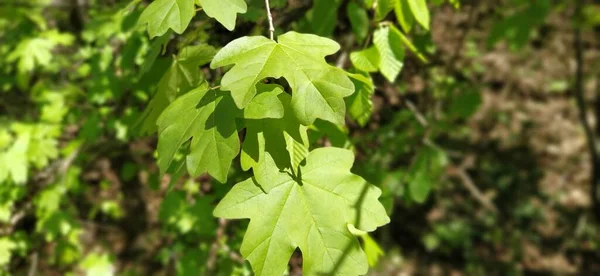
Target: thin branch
[
  {"x": 460, "y": 173},
  {"x": 583, "y": 115},
  {"x": 270, "y": 17},
  {"x": 453, "y": 170},
  {"x": 420, "y": 118},
  {"x": 34, "y": 264},
  {"x": 214, "y": 248}
]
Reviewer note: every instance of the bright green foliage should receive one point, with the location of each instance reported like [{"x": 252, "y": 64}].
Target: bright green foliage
[
  {"x": 266, "y": 104},
  {"x": 318, "y": 88},
  {"x": 386, "y": 56},
  {"x": 34, "y": 146},
  {"x": 310, "y": 210},
  {"x": 372, "y": 249},
  {"x": 207, "y": 117},
  {"x": 367, "y": 60},
  {"x": 360, "y": 105},
  {"x": 284, "y": 138},
  {"x": 404, "y": 14},
  {"x": 162, "y": 15},
  {"x": 383, "y": 8},
  {"x": 182, "y": 76},
  {"x": 6, "y": 246},
  {"x": 176, "y": 213},
  {"x": 36, "y": 52},
  {"x": 96, "y": 264},
  {"x": 391, "y": 52},
  {"x": 224, "y": 11},
  {"x": 420, "y": 11}
]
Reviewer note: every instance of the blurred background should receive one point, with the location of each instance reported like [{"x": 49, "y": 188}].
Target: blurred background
[{"x": 484, "y": 146}]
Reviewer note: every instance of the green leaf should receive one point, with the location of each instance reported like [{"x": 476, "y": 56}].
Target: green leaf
[
  {"x": 427, "y": 168},
  {"x": 404, "y": 14},
  {"x": 318, "y": 88},
  {"x": 323, "y": 16},
  {"x": 367, "y": 60},
  {"x": 183, "y": 76},
  {"x": 13, "y": 162},
  {"x": 359, "y": 20},
  {"x": 389, "y": 44},
  {"x": 95, "y": 264},
  {"x": 360, "y": 105},
  {"x": 7, "y": 245},
  {"x": 384, "y": 7},
  {"x": 311, "y": 211},
  {"x": 284, "y": 138},
  {"x": 465, "y": 103},
  {"x": 266, "y": 104},
  {"x": 372, "y": 249},
  {"x": 155, "y": 50},
  {"x": 224, "y": 11},
  {"x": 162, "y": 15},
  {"x": 420, "y": 11},
  {"x": 207, "y": 118},
  {"x": 31, "y": 53}
]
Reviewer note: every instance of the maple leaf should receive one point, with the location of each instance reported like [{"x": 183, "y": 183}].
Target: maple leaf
[
  {"x": 224, "y": 11},
  {"x": 312, "y": 210},
  {"x": 318, "y": 89},
  {"x": 206, "y": 117},
  {"x": 360, "y": 105},
  {"x": 162, "y": 15},
  {"x": 182, "y": 76},
  {"x": 273, "y": 129}
]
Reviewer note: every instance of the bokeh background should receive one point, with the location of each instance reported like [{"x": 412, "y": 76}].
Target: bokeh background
[{"x": 481, "y": 152}]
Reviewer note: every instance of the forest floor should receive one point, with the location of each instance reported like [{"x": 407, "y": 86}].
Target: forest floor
[{"x": 526, "y": 137}]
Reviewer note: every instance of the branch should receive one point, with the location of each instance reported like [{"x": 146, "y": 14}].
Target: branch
[
  {"x": 583, "y": 116},
  {"x": 461, "y": 173},
  {"x": 270, "y": 17},
  {"x": 453, "y": 170}
]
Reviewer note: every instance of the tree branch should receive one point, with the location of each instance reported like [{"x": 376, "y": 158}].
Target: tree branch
[
  {"x": 270, "y": 17},
  {"x": 580, "y": 100}
]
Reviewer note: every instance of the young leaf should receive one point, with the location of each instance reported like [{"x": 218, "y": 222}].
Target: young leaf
[
  {"x": 367, "y": 60},
  {"x": 162, "y": 15},
  {"x": 359, "y": 20},
  {"x": 360, "y": 105},
  {"x": 266, "y": 104},
  {"x": 207, "y": 117},
  {"x": 389, "y": 44},
  {"x": 311, "y": 211},
  {"x": 323, "y": 17},
  {"x": 404, "y": 14},
  {"x": 183, "y": 76},
  {"x": 383, "y": 8},
  {"x": 420, "y": 11},
  {"x": 318, "y": 88},
  {"x": 284, "y": 138},
  {"x": 224, "y": 11},
  {"x": 427, "y": 168}
]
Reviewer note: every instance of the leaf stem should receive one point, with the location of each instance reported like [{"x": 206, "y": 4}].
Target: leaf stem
[{"x": 270, "y": 18}]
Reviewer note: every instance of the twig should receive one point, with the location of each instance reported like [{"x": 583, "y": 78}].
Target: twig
[
  {"x": 457, "y": 171},
  {"x": 34, "y": 264},
  {"x": 579, "y": 98},
  {"x": 214, "y": 248},
  {"x": 460, "y": 173},
  {"x": 420, "y": 118},
  {"x": 270, "y": 17}
]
